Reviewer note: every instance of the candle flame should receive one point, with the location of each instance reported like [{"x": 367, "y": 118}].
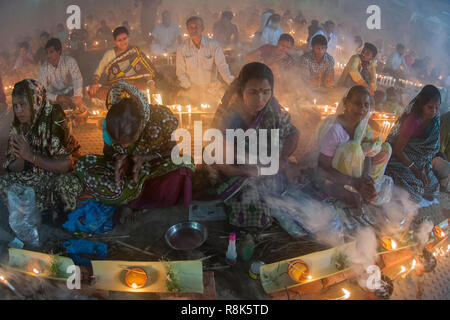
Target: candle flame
[
  {"x": 403, "y": 269},
  {"x": 35, "y": 270},
  {"x": 2, "y": 278},
  {"x": 413, "y": 265},
  {"x": 309, "y": 277},
  {"x": 393, "y": 244},
  {"x": 442, "y": 234},
  {"x": 134, "y": 286},
  {"x": 346, "y": 293}
]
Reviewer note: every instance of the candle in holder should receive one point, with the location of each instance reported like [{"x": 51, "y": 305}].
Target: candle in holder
[
  {"x": 189, "y": 111},
  {"x": 136, "y": 278},
  {"x": 181, "y": 116},
  {"x": 158, "y": 99}
]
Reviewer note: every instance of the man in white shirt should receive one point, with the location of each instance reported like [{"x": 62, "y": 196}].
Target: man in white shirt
[
  {"x": 199, "y": 58},
  {"x": 167, "y": 36},
  {"x": 397, "y": 60},
  {"x": 328, "y": 32},
  {"x": 61, "y": 76}
]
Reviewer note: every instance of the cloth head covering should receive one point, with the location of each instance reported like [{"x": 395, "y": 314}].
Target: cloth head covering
[{"x": 122, "y": 90}]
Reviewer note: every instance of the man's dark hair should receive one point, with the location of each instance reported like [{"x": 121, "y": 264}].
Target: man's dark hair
[
  {"x": 254, "y": 70},
  {"x": 287, "y": 37},
  {"x": 45, "y": 34},
  {"x": 319, "y": 40},
  {"x": 124, "y": 120},
  {"x": 55, "y": 43},
  {"x": 24, "y": 45},
  {"x": 194, "y": 19},
  {"x": 120, "y": 30},
  {"x": 275, "y": 18},
  {"x": 400, "y": 47},
  {"x": 372, "y": 48},
  {"x": 228, "y": 15}
]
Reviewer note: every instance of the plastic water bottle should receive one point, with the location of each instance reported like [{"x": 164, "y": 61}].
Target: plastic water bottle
[
  {"x": 231, "y": 252},
  {"x": 247, "y": 248}
]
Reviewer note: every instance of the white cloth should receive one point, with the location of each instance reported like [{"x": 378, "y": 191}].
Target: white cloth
[
  {"x": 62, "y": 79},
  {"x": 165, "y": 38},
  {"x": 396, "y": 61},
  {"x": 332, "y": 42},
  {"x": 271, "y": 36},
  {"x": 199, "y": 66},
  {"x": 109, "y": 56}
]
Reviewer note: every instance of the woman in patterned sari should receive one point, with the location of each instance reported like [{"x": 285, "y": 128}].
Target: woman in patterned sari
[
  {"x": 416, "y": 140},
  {"x": 136, "y": 171},
  {"x": 122, "y": 63},
  {"x": 249, "y": 104},
  {"x": 351, "y": 162},
  {"x": 41, "y": 150}
]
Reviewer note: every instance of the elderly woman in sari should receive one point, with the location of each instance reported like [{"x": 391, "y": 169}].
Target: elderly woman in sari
[
  {"x": 416, "y": 140},
  {"x": 249, "y": 104},
  {"x": 351, "y": 163},
  {"x": 41, "y": 150},
  {"x": 136, "y": 171}
]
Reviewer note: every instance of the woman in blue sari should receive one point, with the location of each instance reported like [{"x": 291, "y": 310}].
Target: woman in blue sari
[{"x": 416, "y": 140}]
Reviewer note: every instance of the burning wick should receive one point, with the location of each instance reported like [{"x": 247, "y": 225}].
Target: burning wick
[
  {"x": 6, "y": 283},
  {"x": 413, "y": 266},
  {"x": 35, "y": 270},
  {"x": 134, "y": 286},
  {"x": 345, "y": 296},
  {"x": 402, "y": 270},
  {"x": 315, "y": 101}
]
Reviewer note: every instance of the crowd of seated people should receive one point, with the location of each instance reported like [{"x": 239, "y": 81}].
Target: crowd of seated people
[{"x": 136, "y": 172}]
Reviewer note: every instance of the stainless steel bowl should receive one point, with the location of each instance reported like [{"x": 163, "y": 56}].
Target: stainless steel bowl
[{"x": 186, "y": 235}]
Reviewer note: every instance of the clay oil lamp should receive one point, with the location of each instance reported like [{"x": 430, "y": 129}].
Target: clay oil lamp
[
  {"x": 299, "y": 271},
  {"x": 35, "y": 267},
  {"x": 438, "y": 233},
  {"x": 388, "y": 243},
  {"x": 136, "y": 278}
]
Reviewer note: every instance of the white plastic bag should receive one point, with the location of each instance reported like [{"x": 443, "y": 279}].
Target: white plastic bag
[{"x": 24, "y": 217}]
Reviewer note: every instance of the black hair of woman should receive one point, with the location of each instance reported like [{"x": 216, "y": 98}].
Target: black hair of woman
[{"x": 124, "y": 120}]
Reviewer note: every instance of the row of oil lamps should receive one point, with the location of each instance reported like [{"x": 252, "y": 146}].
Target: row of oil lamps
[{"x": 298, "y": 270}]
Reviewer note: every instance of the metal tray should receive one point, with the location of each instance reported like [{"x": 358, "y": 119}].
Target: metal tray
[{"x": 186, "y": 235}]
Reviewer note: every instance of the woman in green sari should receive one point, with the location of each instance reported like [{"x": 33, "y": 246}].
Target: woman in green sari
[
  {"x": 249, "y": 104},
  {"x": 41, "y": 150},
  {"x": 136, "y": 171}
]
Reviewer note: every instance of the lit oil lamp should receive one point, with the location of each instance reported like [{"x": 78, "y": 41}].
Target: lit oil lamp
[
  {"x": 388, "y": 243},
  {"x": 299, "y": 271},
  {"x": 438, "y": 232},
  {"x": 34, "y": 267},
  {"x": 136, "y": 278},
  {"x": 402, "y": 270}
]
